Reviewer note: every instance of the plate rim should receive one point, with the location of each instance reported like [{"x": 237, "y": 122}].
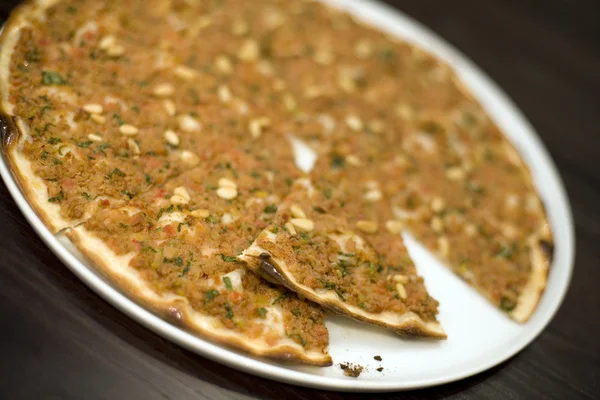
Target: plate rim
[{"x": 254, "y": 366}]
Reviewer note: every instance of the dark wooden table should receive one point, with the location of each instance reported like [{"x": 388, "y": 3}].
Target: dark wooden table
[{"x": 59, "y": 340}]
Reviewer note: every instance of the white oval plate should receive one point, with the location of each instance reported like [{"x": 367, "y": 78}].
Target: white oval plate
[{"x": 479, "y": 336}]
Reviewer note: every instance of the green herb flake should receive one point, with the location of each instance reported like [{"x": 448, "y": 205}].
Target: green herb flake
[
  {"x": 87, "y": 196},
  {"x": 102, "y": 146},
  {"x": 175, "y": 260},
  {"x": 54, "y": 140},
  {"x": 506, "y": 252},
  {"x": 337, "y": 161},
  {"x": 262, "y": 312},
  {"x": 387, "y": 55},
  {"x": 115, "y": 172},
  {"x": 211, "y": 294},
  {"x": 229, "y": 310},
  {"x": 327, "y": 285},
  {"x": 299, "y": 337},
  {"x": 282, "y": 297},
  {"x": 185, "y": 270},
  {"x": 58, "y": 198},
  {"x": 52, "y": 78},
  {"x": 304, "y": 236},
  {"x": 84, "y": 145},
  {"x": 145, "y": 247},
  {"x": 227, "y": 283},
  {"x": 118, "y": 119},
  {"x": 270, "y": 209},
  {"x": 149, "y": 180},
  {"x": 228, "y": 258},
  {"x": 507, "y": 304}
]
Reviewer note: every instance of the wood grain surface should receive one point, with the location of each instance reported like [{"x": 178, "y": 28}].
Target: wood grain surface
[{"x": 59, "y": 340}]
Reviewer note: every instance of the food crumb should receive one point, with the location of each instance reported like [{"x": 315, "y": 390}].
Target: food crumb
[
  {"x": 352, "y": 370},
  {"x": 378, "y": 358},
  {"x": 379, "y": 369}
]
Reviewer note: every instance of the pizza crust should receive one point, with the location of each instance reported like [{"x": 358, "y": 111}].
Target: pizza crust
[
  {"x": 275, "y": 270},
  {"x": 177, "y": 309},
  {"x": 16, "y": 131},
  {"x": 533, "y": 290}
]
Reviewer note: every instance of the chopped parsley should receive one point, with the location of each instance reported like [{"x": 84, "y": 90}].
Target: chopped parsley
[
  {"x": 165, "y": 210},
  {"x": 58, "y": 198},
  {"x": 128, "y": 194},
  {"x": 185, "y": 270},
  {"x": 101, "y": 147},
  {"x": 262, "y": 312},
  {"x": 228, "y": 258},
  {"x": 299, "y": 337},
  {"x": 227, "y": 283},
  {"x": 118, "y": 119},
  {"x": 506, "y": 252},
  {"x": 52, "y": 78},
  {"x": 387, "y": 55},
  {"x": 54, "y": 140},
  {"x": 282, "y": 297},
  {"x": 84, "y": 145},
  {"x": 149, "y": 180},
  {"x": 87, "y": 196},
  {"x": 507, "y": 304},
  {"x": 182, "y": 224},
  {"x": 270, "y": 209},
  {"x": 211, "y": 294},
  {"x": 145, "y": 247},
  {"x": 175, "y": 260},
  {"x": 115, "y": 172},
  {"x": 212, "y": 219},
  {"x": 337, "y": 161},
  {"x": 229, "y": 310},
  {"x": 327, "y": 285}
]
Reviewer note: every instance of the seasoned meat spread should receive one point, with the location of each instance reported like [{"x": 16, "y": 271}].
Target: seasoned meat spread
[{"x": 167, "y": 127}]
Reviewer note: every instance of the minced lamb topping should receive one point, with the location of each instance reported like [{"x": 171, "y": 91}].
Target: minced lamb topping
[{"x": 184, "y": 112}]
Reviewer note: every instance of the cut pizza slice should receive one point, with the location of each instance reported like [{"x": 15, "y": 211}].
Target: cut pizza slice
[
  {"x": 365, "y": 274},
  {"x": 469, "y": 197},
  {"x": 164, "y": 262}
]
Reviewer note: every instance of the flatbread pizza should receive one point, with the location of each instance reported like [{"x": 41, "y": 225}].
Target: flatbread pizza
[
  {"x": 162, "y": 138},
  {"x": 311, "y": 248}
]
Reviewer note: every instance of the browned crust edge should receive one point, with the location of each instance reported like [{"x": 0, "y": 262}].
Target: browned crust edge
[
  {"x": 11, "y": 134},
  {"x": 413, "y": 326},
  {"x": 178, "y": 311},
  {"x": 541, "y": 255}
]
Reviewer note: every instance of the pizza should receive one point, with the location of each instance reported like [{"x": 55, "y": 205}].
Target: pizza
[
  {"x": 355, "y": 269},
  {"x": 163, "y": 140}
]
